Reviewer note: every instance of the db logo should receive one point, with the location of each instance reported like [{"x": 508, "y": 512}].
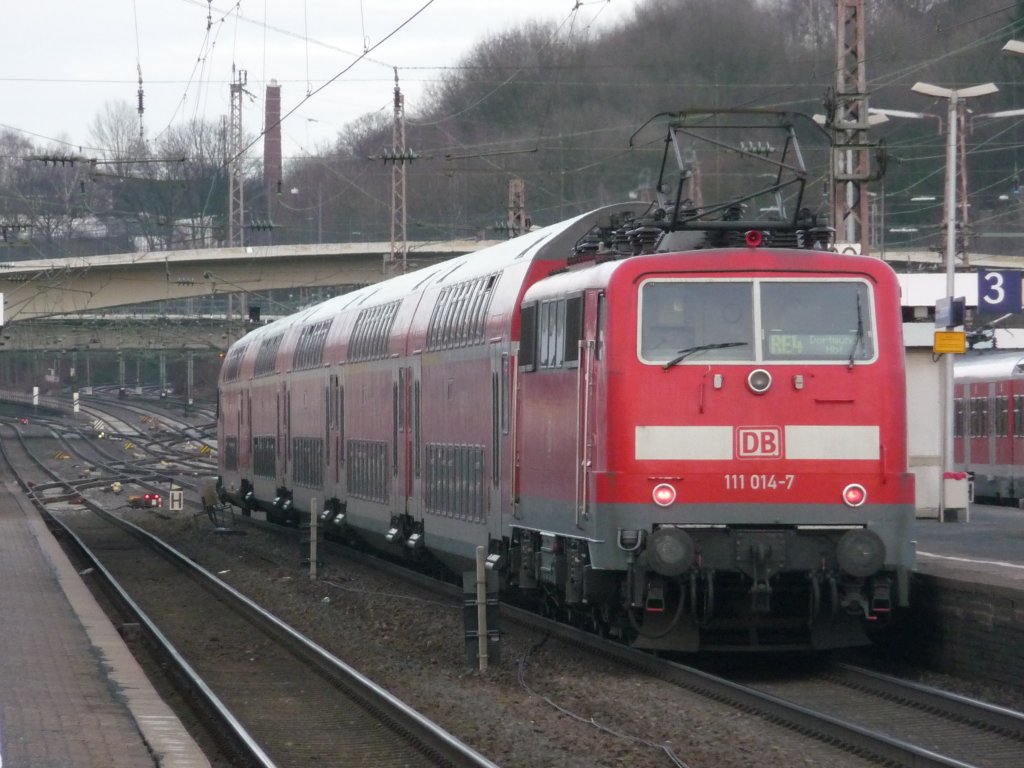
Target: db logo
[{"x": 758, "y": 442}]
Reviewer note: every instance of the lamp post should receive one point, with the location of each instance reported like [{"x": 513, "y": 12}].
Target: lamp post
[
  {"x": 955, "y": 96},
  {"x": 906, "y": 114}
]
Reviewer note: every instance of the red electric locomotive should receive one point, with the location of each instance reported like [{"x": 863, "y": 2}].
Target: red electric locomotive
[
  {"x": 989, "y": 423},
  {"x": 669, "y": 423}
]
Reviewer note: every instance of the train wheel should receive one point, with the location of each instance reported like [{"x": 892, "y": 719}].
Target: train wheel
[
  {"x": 815, "y": 598},
  {"x": 597, "y": 624}
]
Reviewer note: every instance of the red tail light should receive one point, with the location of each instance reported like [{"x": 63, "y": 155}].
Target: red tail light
[
  {"x": 854, "y": 495},
  {"x": 663, "y": 494}
]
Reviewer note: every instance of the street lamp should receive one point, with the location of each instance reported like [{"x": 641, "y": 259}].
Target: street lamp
[
  {"x": 906, "y": 114},
  {"x": 954, "y": 96}
]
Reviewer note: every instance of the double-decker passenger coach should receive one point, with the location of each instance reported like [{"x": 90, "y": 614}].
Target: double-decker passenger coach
[{"x": 988, "y": 438}]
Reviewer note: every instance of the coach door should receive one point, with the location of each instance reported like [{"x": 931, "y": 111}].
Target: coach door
[
  {"x": 245, "y": 431},
  {"x": 283, "y": 431},
  {"x": 581, "y": 322},
  {"x": 501, "y": 469},
  {"x": 405, "y": 436}
]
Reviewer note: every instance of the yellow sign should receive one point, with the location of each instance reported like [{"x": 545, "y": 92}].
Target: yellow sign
[{"x": 949, "y": 343}]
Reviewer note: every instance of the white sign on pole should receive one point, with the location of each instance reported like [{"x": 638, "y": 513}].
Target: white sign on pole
[{"x": 177, "y": 501}]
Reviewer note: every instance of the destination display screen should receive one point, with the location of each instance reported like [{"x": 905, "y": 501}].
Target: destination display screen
[{"x": 818, "y": 345}]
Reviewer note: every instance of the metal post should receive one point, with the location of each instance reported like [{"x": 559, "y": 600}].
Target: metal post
[
  {"x": 481, "y": 609},
  {"x": 313, "y": 519},
  {"x": 954, "y": 96},
  {"x": 190, "y": 357},
  {"x": 947, "y": 360}
]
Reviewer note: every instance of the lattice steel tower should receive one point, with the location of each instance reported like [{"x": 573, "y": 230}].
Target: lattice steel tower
[
  {"x": 236, "y": 202},
  {"x": 848, "y": 113},
  {"x": 399, "y": 244},
  {"x": 517, "y": 217}
]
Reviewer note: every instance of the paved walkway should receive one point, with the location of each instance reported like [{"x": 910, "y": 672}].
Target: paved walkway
[{"x": 71, "y": 694}]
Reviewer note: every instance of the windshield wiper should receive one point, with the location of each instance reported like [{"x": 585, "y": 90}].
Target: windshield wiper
[
  {"x": 859, "y": 340},
  {"x": 685, "y": 353}
]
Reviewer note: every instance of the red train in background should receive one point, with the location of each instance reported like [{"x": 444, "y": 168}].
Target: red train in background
[
  {"x": 684, "y": 426},
  {"x": 988, "y": 422}
]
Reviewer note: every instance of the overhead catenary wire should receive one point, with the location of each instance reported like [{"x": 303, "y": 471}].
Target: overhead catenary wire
[
  {"x": 340, "y": 74},
  {"x": 208, "y": 6}
]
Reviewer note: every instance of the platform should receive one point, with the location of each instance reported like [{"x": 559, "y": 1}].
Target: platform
[
  {"x": 71, "y": 694},
  {"x": 988, "y": 548}
]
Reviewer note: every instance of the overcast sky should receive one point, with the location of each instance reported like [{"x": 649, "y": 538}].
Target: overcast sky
[{"x": 61, "y": 61}]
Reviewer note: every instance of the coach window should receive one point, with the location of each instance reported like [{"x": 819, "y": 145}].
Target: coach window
[
  {"x": 546, "y": 334},
  {"x": 1018, "y": 415},
  {"x": 559, "y": 350},
  {"x": 449, "y": 333},
  {"x": 528, "y": 338},
  {"x": 573, "y": 329},
  {"x": 462, "y": 321},
  {"x": 1002, "y": 416},
  {"x": 979, "y": 417}
]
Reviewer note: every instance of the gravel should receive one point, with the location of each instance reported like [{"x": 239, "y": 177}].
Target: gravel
[{"x": 543, "y": 704}]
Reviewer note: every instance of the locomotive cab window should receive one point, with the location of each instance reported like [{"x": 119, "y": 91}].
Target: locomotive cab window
[
  {"x": 712, "y": 320},
  {"x": 811, "y": 320},
  {"x": 778, "y": 320}
]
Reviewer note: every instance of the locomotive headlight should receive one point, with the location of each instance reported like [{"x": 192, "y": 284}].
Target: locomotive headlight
[
  {"x": 854, "y": 495},
  {"x": 860, "y": 552},
  {"x": 759, "y": 380},
  {"x": 663, "y": 494},
  {"x": 670, "y": 551}
]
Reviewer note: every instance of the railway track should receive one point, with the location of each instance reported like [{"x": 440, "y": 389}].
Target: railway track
[
  {"x": 883, "y": 719},
  {"x": 283, "y": 700},
  {"x": 955, "y": 728},
  {"x": 138, "y": 460}
]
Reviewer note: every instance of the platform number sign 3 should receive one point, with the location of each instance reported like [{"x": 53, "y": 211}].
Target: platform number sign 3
[{"x": 999, "y": 291}]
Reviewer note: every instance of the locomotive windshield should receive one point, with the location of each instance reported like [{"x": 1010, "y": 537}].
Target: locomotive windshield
[{"x": 697, "y": 321}]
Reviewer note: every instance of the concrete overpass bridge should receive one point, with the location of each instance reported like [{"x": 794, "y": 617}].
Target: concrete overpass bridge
[
  {"x": 60, "y": 304},
  {"x": 51, "y": 287}
]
